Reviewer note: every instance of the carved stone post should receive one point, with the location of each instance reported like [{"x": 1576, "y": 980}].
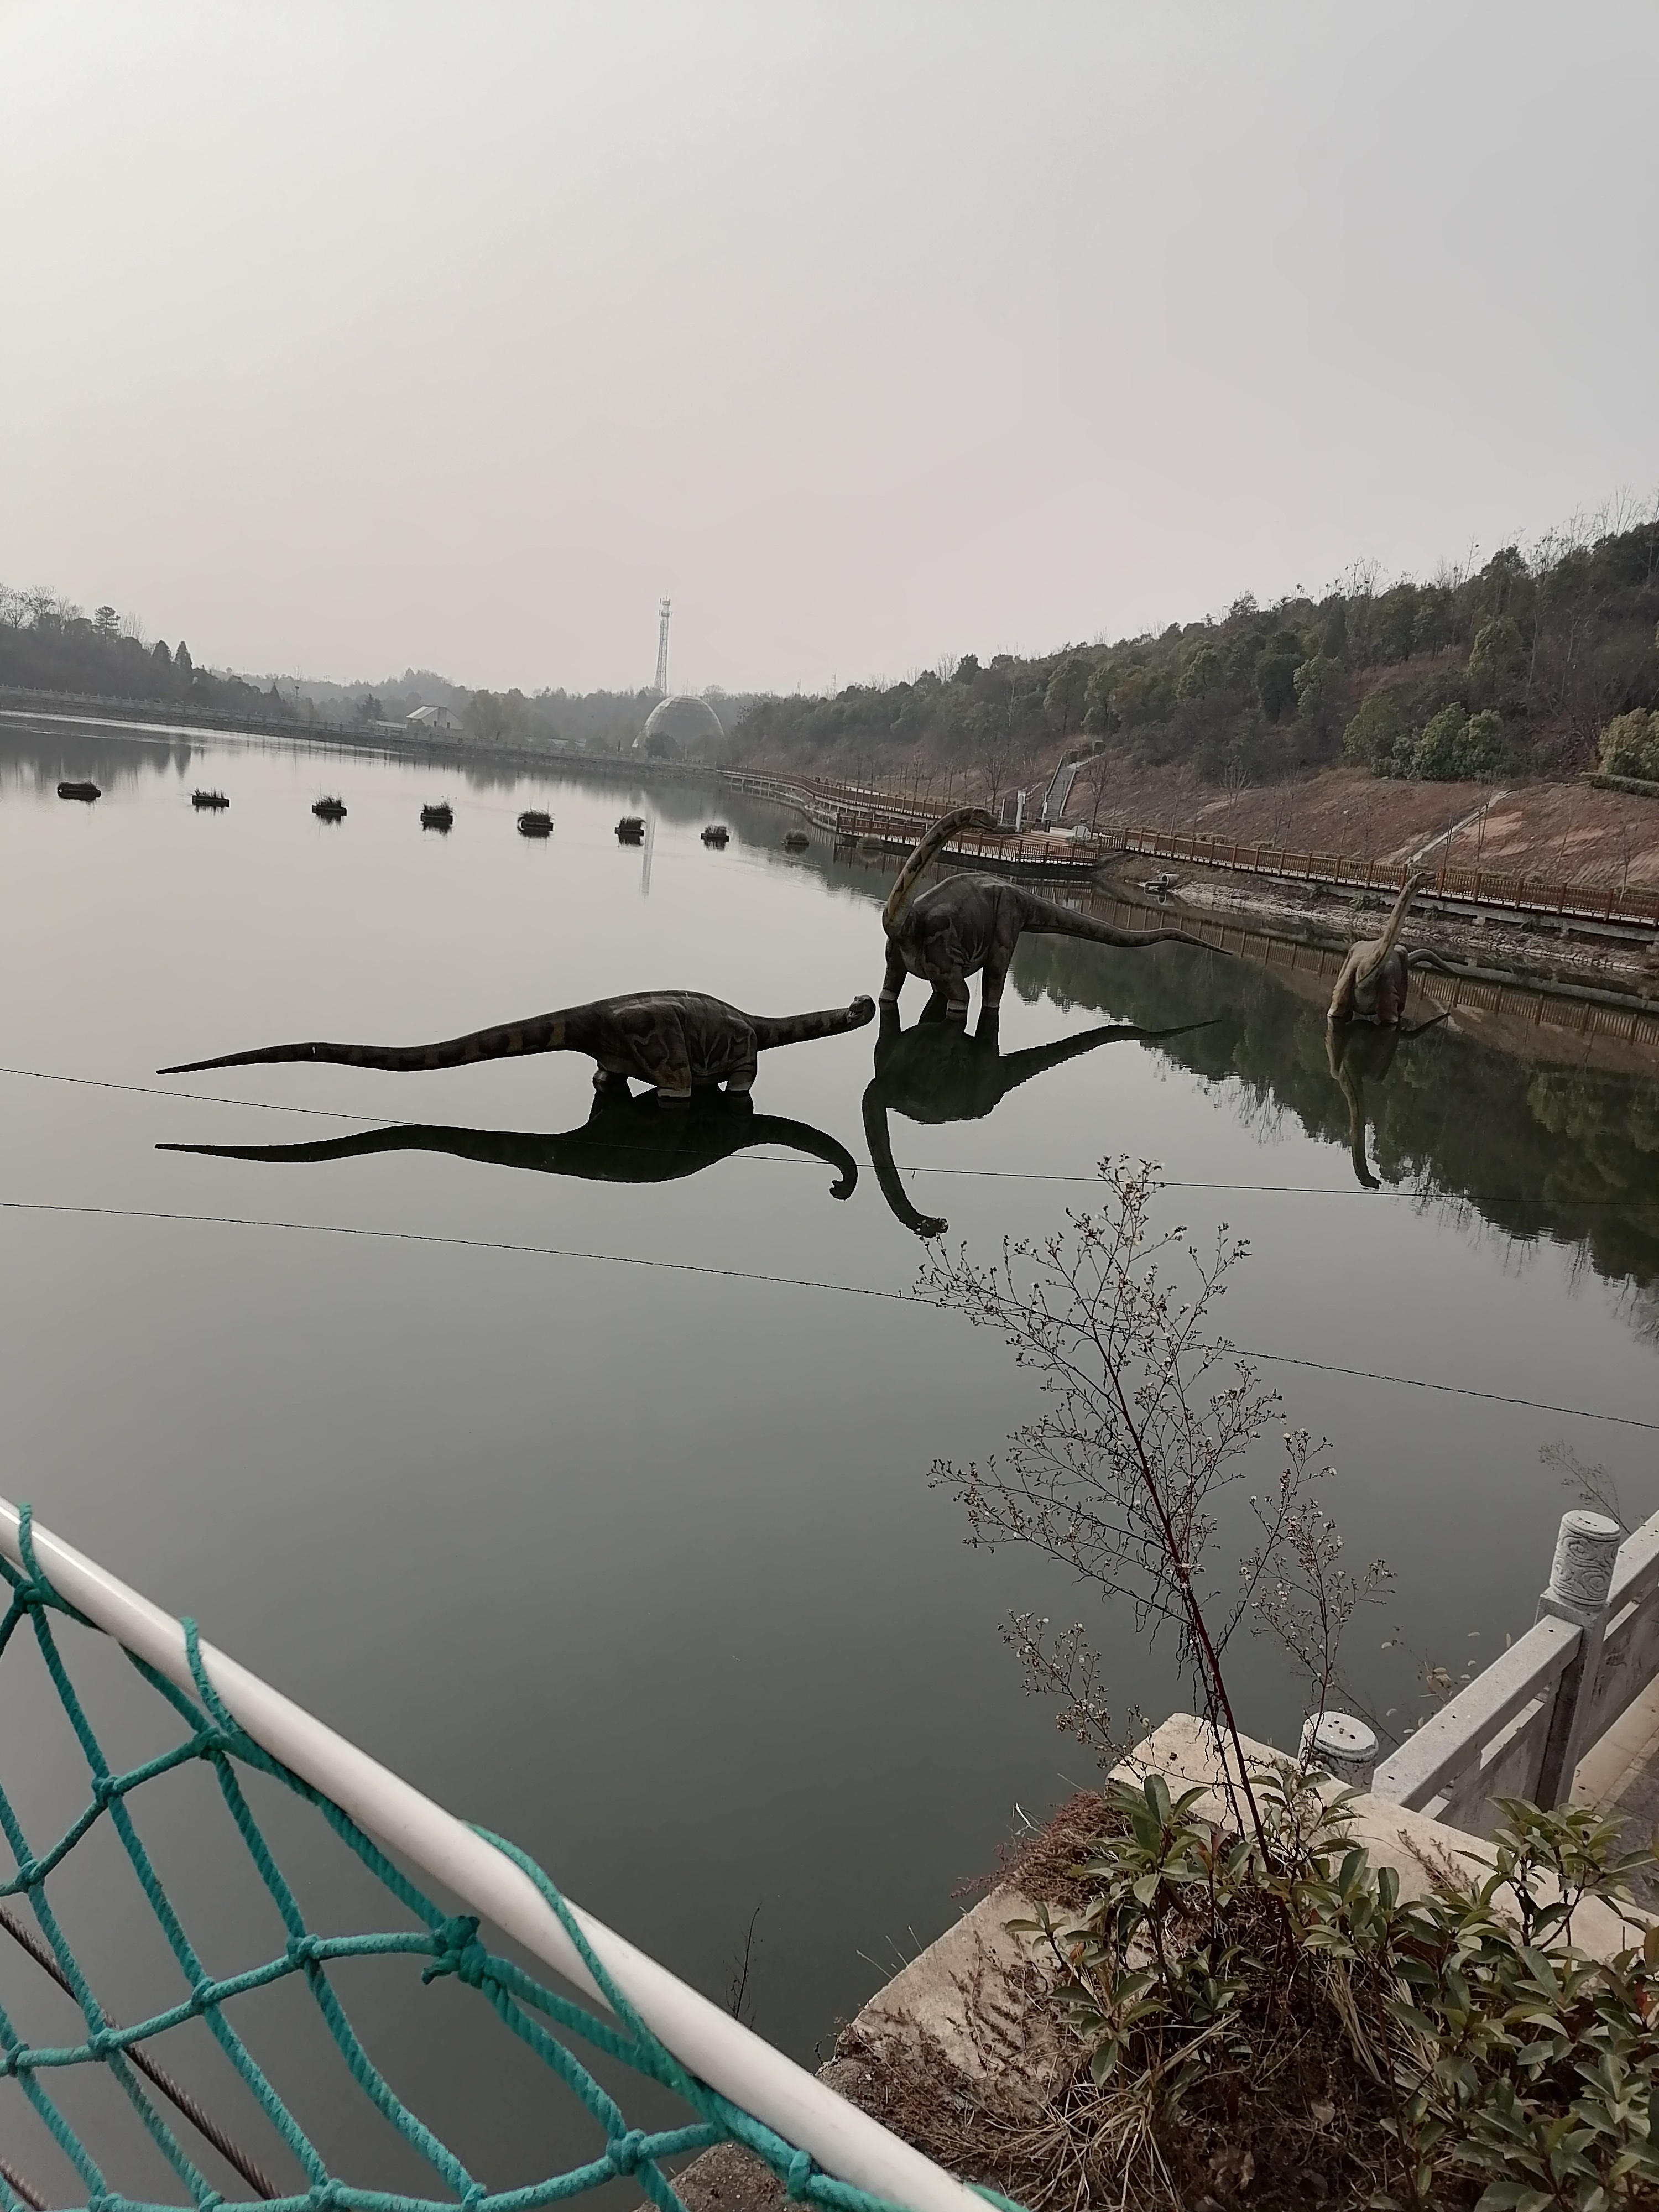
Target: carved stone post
[
  {"x": 1586, "y": 1553},
  {"x": 1337, "y": 1744}
]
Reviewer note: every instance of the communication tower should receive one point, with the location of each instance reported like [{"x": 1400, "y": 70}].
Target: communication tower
[{"x": 662, "y": 648}]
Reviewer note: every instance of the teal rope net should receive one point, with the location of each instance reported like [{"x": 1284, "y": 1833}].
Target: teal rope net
[{"x": 436, "y": 1944}]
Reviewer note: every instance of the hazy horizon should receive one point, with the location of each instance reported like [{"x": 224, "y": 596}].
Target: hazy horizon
[{"x": 349, "y": 342}]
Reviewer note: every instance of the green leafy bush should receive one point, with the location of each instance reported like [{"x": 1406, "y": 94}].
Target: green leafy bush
[
  {"x": 1478, "y": 750},
  {"x": 1630, "y": 746},
  {"x": 1275, "y": 682},
  {"x": 1201, "y": 672},
  {"x": 1374, "y": 730},
  {"x": 1498, "y": 650},
  {"x": 1434, "y": 756},
  {"x": 1280, "y": 2015},
  {"x": 1316, "y": 680}
]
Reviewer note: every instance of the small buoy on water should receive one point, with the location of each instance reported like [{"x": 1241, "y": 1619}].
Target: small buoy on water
[
  {"x": 716, "y": 834},
  {"x": 630, "y": 830},
  {"x": 79, "y": 791},
  {"x": 532, "y": 823},
  {"x": 330, "y": 810},
  {"x": 213, "y": 800},
  {"x": 441, "y": 817}
]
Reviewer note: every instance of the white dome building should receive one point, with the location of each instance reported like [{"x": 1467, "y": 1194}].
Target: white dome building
[{"x": 691, "y": 726}]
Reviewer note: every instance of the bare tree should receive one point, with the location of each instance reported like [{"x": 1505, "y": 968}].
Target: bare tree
[{"x": 1149, "y": 1420}]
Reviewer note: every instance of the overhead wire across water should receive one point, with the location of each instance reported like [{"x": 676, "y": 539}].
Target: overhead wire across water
[{"x": 748, "y": 1275}]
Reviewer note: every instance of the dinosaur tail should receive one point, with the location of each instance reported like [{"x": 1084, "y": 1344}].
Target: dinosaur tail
[
  {"x": 964, "y": 817},
  {"x": 800, "y": 1029},
  {"x": 541, "y": 1033},
  {"x": 1047, "y": 915},
  {"x": 1397, "y": 922}
]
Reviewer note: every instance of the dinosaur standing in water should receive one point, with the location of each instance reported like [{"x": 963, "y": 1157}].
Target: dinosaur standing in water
[
  {"x": 675, "y": 1040},
  {"x": 1376, "y": 975},
  {"x": 970, "y": 923},
  {"x": 937, "y": 1072},
  {"x": 623, "y": 1140}
]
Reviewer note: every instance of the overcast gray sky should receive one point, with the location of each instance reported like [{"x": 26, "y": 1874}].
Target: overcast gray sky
[{"x": 340, "y": 338}]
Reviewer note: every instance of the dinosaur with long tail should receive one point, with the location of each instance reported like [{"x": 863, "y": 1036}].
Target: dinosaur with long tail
[
  {"x": 971, "y": 923},
  {"x": 676, "y": 1041}
]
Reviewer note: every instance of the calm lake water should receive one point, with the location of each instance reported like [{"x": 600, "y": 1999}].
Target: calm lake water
[{"x": 638, "y": 1564}]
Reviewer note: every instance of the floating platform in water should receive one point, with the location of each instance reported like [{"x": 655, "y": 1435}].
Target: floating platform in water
[
  {"x": 79, "y": 791},
  {"x": 796, "y": 842},
  {"x": 441, "y": 817},
  {"x": 330, "y": 810},
  {"x": 716, "y": 834},
  {"x": 214, "y": 801},
  {"x": 630, "y": 830},
  {"x": 532, "y": 823}
]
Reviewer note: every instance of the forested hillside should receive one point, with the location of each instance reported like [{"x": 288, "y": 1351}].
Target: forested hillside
[{"x": 1514, "y": 668}]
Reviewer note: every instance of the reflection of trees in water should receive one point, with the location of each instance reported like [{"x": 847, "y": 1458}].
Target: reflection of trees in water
[
  {"x": 33, "y": 761},
  {"x": 1570, "y": 1154}
]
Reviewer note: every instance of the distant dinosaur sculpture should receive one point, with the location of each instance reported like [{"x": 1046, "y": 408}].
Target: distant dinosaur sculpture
[
  {"x": 937, "y": 1072},
  {"x": 973, "y": 922},
  {"x": 1357, "y": 1053},
  {"x": 1376, "y": 975},
  {"x": 623, "y": 1140},
  {"x": 672, "y": 1040}
]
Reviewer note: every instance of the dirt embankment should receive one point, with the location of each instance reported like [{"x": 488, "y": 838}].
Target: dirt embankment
[
  {"x": 1558, "y": 833},
  {"x": 1565, "y": 833}
]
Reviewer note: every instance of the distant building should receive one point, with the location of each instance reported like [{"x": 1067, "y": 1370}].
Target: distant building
[
  {"x": 690, "y": 725},
  {"x": 433, "y": 723}
]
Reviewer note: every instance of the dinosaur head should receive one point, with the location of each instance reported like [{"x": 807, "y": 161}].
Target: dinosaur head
[{"x": 862, "y": 1010}]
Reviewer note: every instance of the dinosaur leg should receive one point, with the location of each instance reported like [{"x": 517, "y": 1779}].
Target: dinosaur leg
[
  {"x": 665, "y": 1063},
  {"x": 996, "y": 974},
  {"x": 956, "y": 999},
  {"x": 893, "y": 981},
  {"x": 937, "y": 1004},
  {"x": 742, "y": 1079}
]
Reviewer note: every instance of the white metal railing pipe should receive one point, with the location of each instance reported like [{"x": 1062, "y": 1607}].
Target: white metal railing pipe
[{"x": 843, "y": 2141}]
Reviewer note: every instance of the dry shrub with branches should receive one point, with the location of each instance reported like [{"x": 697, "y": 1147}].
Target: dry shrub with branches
[{"x": 1150, "y": 1418}]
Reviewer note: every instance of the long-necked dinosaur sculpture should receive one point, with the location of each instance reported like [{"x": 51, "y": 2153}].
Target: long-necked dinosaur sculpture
[
  {"x": 937, "y": 1072},
  {"x": 623, "y": 1140},
  {"x": 672, "y": 1040},
  {"x": 1376, "y": 975},
  {"x": 970, "y": 923}
]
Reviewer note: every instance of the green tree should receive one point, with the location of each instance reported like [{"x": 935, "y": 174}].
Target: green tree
[
  {"x": 1069, "y": 691},
  {"x": 1200, "y": 671},
  {"x": 1316, "y": 680},
  {"x": 1498, "y": 651},
  {"x": 1275, "y": 681},
  {"x": 1630, "y": 746},
  {"x": 1478, "y": 749},
  {"x": 1374, "y": 730},
  {"x": 1434, "y": 756}
]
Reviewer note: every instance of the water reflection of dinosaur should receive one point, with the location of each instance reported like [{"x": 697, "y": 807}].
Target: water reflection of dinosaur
[
  {"x": 937, "y": 1072},
  {"x": 1358, "y": 1052},
  {"x": 623, "y": 1140}
]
